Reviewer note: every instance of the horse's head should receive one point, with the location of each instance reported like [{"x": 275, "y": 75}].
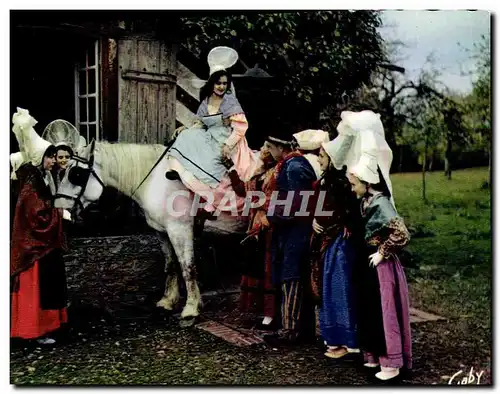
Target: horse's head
[{"x": 82, "y": 183}]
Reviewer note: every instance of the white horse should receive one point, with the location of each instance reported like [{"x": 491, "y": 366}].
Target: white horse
[{"x": 124, "y": 167}]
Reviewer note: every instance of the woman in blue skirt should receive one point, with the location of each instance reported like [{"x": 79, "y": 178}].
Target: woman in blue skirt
[{"x": 334, "y": 255}]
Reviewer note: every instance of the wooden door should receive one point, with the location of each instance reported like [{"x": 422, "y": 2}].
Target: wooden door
[{"x": 146, "y": 90}]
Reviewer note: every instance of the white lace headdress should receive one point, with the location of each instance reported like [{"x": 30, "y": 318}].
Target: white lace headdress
[
  {"x": 61, "y": 132},
  {"x": 219, "y": 58}
]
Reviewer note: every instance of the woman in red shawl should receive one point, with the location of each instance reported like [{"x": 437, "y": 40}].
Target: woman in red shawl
[
  {"x": 258, "y": 295},
  {"x": 38, "y": 279}
]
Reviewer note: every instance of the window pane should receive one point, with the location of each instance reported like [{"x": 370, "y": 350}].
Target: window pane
[
  {"x": 92, "y": 101},
  {"x": 91, "y": 54},
  {"x": 83, "y": 110},
  {"x": 82, "y": 55},
  {"x": 83, "y": 130},
  {"x": 92, "y": 84},
  {"x": 92, "y": 133},
  {"x": 82, "y": 83},
  {"x": 87, "y": 83}
]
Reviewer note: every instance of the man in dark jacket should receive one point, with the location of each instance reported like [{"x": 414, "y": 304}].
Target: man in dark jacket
[{"x": 291, "y": 234}]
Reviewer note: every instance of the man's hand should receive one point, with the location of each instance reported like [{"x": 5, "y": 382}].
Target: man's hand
[
  {"x": 226, "y": 151},
  {"x": 317, "y": 228},
  {"x": 347, "y": 233},
  {"x": 260, "y": 217}
]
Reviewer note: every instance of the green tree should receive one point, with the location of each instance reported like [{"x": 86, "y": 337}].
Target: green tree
[
  {"x": 455, "y": 131},
  {"x": 316, "y": 55},
  {"x": 447, "y": 122},
  {"x": 400, "y": 101},
  {"x": 479, "y": 101},
  {"x": 423, "y": 130}
]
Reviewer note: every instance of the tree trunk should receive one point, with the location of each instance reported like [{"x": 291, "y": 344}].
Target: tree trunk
[
  {"x": 489, "y": 165},
  {"x": 389, "y": 126},
  {"x": 424, "y": 163},
  {"x": 423, "y": 180},
  {"x": 447, "y": 159},
  {"x": 401, "y": 159}
]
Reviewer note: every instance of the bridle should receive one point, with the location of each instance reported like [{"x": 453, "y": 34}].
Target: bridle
[{"x": 80, "y": 177}]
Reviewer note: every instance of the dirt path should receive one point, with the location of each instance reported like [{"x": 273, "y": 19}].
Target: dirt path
[{"x": 157, "y": 351}]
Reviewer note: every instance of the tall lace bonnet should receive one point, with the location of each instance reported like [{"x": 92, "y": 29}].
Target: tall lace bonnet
[
  {"x": 219, "y": 58},
  {"x": 361, "y": 146},
  {"x": 32, "y": 147},
  {"x": 62, "y": 133}
]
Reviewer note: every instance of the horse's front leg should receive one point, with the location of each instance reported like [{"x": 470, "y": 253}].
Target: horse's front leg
[
  {"x": 181, "y": 236},
  {"x": 171, "y": 295}
]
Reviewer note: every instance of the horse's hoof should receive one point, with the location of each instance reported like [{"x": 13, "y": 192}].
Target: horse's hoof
[
  {"x": 186, "y": 323},
  {"x": 165, "y": 304},
  {"x": 190, "y": 312}
]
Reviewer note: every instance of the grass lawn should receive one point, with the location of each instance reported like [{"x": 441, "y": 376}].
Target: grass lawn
[{"x": 449, "y": 257}]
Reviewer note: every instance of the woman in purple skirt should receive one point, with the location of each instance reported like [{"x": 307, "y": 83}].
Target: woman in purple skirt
[{"x": 385, "y": 236}]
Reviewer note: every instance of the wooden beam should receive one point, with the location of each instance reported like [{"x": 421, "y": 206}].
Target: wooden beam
[
  {"x": 393, "y": 67},
  {"x": 83, "y": 31},
  {"x": 144, "y": 76},
  {"x": 183, "y": 80},
  {"x": 183, "y": 114}
]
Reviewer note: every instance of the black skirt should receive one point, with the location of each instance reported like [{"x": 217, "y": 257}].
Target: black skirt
[
  {"x": 254, "y": 257},
  {"x": 52, "y": 281},
  {"x": 368, "y": 303}
]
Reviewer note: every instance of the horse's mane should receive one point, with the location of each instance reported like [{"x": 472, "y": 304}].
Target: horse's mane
[{"x": 127, "y": 164}]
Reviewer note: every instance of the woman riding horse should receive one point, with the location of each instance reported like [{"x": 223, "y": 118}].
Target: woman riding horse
[{"x": 201, "y": 155}]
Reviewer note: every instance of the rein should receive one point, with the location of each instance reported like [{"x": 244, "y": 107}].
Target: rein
[{"x": 154, "y": 166}]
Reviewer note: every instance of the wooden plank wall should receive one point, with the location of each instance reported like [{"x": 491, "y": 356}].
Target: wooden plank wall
[
  {"x": 147, "y": 94},
  {"x": 127, "y": 90},
  {"x": 167, "y": 93}
]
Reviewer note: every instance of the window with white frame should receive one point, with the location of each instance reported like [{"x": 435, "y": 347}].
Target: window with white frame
[{"x": 87, "y": 83}]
